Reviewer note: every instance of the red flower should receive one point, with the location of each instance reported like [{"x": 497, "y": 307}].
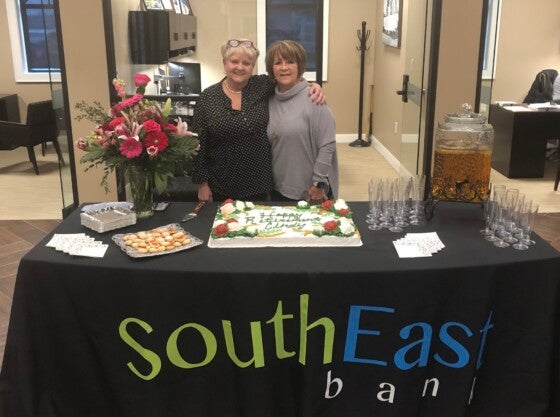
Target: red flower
[
  {"x": 129, "y": 102},
  {"x": 141, "y": 80},
  {"x": 151, "y": 126},
  {"x": 156, "y": 139},
  {"x": 221, "y": 229},
  {"x": 228, "y": 200},
  {"x": 326, "y": 205},
  {"x": 171, "y": 128},
  {"x": 130, "y": 148},
  {"x": 344, "y": 212},
  {"x": 115, "y": 122},
  {"x": 330, "y": 225}
]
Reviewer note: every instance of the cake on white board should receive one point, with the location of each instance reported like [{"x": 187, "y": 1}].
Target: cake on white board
[{"x": 240, "y": 224}]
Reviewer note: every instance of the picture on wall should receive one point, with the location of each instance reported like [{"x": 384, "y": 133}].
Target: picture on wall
[
  {"x": 153, "y": 4},
  {"x": 176, "y": 6},
  {"x": 167, "y": 4},
  {"x": 392, "y": 11},
  {"x": 185, "y": 7}
]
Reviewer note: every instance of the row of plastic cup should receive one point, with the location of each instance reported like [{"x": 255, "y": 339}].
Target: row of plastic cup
[
  {"x": 509, "y": 218},
  {"x": 395, "y": 203}
]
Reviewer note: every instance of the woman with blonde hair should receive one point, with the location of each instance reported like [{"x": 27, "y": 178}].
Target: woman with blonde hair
[{"x": 231, "y": 118}]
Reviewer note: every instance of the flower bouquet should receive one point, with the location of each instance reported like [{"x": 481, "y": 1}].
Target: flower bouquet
[{"x": 136, "y": 137}]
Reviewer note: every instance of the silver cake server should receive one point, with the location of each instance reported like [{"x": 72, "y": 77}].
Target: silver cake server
[{"x": 192, "y": 215}]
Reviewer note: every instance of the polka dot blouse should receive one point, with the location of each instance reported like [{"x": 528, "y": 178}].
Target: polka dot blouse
[{"x": 234, "y": 156}]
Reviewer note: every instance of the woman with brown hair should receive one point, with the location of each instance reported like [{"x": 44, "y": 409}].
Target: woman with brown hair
[{"x": 231, "y": 118}]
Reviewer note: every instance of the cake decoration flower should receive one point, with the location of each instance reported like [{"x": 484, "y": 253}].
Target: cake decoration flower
[
  {"x": 326, "y": 205},
  {"x": 227, "y": 208},
  {"x": 330, "y": 225}
]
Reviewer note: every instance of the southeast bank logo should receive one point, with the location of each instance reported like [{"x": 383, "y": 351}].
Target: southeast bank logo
[{"x": 454, "y": 340}]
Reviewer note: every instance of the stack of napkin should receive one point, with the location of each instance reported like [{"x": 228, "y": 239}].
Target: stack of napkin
[
  {"x": 415, "y": 245},
  {"x": 78, "y": 244}
]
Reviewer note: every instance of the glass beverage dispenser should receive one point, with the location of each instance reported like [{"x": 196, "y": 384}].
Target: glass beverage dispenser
[{"x": 463, "y": 157}]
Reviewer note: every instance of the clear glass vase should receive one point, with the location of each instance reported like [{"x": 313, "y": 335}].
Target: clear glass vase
[{"x": 141, "y": 186}]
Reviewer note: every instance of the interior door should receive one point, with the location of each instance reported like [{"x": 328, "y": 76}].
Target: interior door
[
  {"x": 59, "y": 96},
  {"x": 413, "y": 90}
]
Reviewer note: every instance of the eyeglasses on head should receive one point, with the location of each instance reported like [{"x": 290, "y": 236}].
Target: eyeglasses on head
[{"x": 233, "y": 43}]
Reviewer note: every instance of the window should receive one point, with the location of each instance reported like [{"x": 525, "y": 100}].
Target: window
[
  {"x": 34, "y": 40},
  {"x": 491, "y": 41},
  {"x": 296, "y": 20}
]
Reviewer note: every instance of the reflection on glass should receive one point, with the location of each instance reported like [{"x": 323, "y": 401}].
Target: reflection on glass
[{"x": 69, "y": 199}]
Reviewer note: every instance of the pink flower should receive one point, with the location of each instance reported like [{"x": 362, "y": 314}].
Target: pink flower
[
  {"x": 129, "y": 102},
  {"x": 141, "y": 80},
  {"x": 151, "y": 126},
  {"x": 82, "y": 144},
  {"x": 122, "y": 130},
  {"x": 182, "y": 128},
  {"x": 152, "y": 151},
  {"x": 130, "y": 148},
  {"x": 157, "y": 139},
  {"x": 116, "y": 110},
  {"x": 121, "y": 92},
  {"x": 101, "y": 140},
  {"x": 119, "y": 87}
]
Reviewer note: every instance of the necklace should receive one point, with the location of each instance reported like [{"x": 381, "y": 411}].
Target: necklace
[{"x": 226, "y": 85}]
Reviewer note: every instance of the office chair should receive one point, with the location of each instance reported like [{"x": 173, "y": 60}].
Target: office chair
[{"x": 39, "y": 128}]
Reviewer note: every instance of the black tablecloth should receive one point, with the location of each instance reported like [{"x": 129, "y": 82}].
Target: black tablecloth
[{"x": 471, "y": 331}]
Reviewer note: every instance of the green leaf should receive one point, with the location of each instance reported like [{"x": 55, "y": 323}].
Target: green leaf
[{"x": 166, "y": 108}]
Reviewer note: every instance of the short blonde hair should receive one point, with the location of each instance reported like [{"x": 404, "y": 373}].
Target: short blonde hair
[
  {"x": 288, "y": 50},
  {"x": 251, "y": 51}
]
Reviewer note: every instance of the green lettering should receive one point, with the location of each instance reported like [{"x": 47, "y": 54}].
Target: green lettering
[
  {"x": 256, "y": 338},
  {"x": 277, "y": 320},
  {"x": 147, "y": 354},
  {"x": 327, "y": 324},
  {"x": 173, "y": 350}
]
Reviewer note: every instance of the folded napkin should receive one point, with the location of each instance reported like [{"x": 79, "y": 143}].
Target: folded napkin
[{"x": 417, "y": 245}]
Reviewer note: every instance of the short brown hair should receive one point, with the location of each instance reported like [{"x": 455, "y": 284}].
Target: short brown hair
[{"x": 288, "y": 50}]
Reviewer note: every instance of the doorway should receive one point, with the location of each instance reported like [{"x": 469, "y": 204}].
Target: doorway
[{"x": 413, "y": 91}]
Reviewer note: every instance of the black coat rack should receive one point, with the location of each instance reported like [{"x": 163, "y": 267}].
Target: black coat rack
[{"x": 363, "y": 36}]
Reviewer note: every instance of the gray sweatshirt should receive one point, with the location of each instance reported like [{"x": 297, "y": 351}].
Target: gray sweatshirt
[{"x": 302, "y": 137}]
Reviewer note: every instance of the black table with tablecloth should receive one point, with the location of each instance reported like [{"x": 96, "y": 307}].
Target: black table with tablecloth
[{"x": 471, "y": 331}]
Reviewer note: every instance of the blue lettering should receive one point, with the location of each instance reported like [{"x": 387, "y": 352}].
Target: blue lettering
[
  {"x": 354, "y": 331},
  {"x": 456, "y": 347},
  {"x": 424, "y": 342},
  {"x": 487, "y": 326}
]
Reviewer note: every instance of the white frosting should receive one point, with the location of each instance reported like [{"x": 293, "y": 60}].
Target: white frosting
[{"x": 276, "y": 226}]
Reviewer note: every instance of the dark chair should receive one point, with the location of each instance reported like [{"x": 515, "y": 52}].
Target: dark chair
[
  {"x": 542, "y": 88},
  {"x": 39, "y": 128}
]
